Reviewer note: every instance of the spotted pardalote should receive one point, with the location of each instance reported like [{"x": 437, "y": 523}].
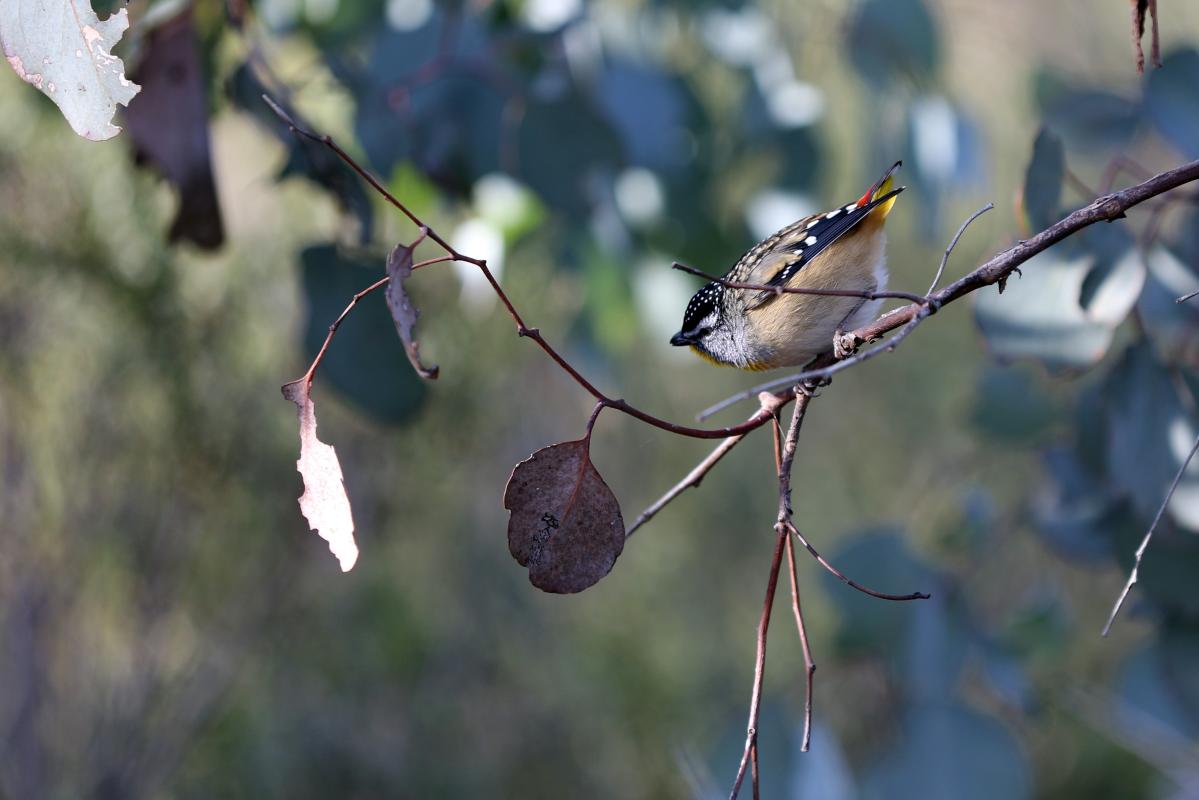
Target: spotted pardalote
[{"x": 758, "y": 329}]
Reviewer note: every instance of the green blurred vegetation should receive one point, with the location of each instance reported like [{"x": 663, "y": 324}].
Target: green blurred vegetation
[{"x": 169, "y": 627}]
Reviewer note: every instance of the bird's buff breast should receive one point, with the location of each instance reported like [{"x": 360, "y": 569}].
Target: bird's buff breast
[{"x": 793, "y": 329}]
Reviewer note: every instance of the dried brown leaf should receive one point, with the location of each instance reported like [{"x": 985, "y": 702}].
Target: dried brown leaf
[
  {"x": 324, "y": 502},
  {"x": 566, "y": 525},
  {"x": 399, "y": 267},
  {"x": 168, "y": 121},
  {"x": 1141, "y": 9}
]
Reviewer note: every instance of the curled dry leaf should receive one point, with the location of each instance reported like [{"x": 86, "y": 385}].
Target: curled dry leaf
[
  {"x": 565, "y": 524},
  {"x": 399, "y": 267},
  {"x": 63, "y": 49},
  {"x": 324, "y": 502}
]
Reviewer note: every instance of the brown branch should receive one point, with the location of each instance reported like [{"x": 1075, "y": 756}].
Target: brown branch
[
  {"x": 522, "y": 328},
  {"x": 1136, "y": 565}
]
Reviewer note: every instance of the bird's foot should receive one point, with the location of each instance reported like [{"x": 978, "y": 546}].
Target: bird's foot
[{"x": 845, "y": 344}]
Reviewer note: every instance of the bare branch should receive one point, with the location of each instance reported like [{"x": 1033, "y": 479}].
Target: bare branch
[{"x": 1132, "y": 577}]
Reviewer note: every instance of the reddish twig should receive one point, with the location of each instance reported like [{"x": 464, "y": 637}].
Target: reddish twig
[
  {"x": 770, "y": 403},
  {"x": 320, "y": 355},
  {"x": 841, "y": 576},
  {"x": 809, "y": 663},
  {"x": 1136, "y": 565},
  {"x": 755, "y": 702},
  {"x": 797, "y": 610}
]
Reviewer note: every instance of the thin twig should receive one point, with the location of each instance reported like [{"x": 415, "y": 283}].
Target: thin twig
[
  {"x": 809, "y": 663},
  {"x": 1136, "y": 565},
  {"x": 841, "y": 576},
  {"x": 320, "y": 355},
  {"x": 1186, "y": 297},
  {"x": 953, "y": 243},
  {"x": 770, "y": 403}
]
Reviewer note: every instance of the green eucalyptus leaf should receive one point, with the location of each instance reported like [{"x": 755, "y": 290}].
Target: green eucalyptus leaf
[
  {"x": 1010, "y": 405},
  {"x": 948, "y": 752},
  {"x": 1043, "y": 180},
  {"x": 1150, "y": 431},
  {"x": 1172, "y": 100},
  {"x": 1038, "y": 316},
  {"x": 1173, "y": 327},
  {"x": 1073, "y": 510},
  {"x": 1093, "y": 119},
  {"x": 880, "y": 559},
  {"x": 890, "y": 40},
  {"x": 566, "y": 152},
  {"x": 1160, "y": 681}
]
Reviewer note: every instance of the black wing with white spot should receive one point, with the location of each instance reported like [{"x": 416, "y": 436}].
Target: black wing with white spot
[{"x": 811, "y": 237}]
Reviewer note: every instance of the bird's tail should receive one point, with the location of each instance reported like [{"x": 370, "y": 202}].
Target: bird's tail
[{"x": 880, "y": 188}]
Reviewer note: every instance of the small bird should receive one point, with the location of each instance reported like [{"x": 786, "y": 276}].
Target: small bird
[{"x": 760, "y": 329}]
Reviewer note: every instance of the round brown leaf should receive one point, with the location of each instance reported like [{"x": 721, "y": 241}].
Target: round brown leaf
[{"x": 565, "y": 525}]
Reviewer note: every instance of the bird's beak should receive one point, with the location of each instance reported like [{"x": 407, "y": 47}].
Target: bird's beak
[{"x": 680, "y": 339}]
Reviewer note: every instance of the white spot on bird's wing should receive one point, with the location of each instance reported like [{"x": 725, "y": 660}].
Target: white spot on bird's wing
[
  {"x": 832, "y": 213},
  {"x": 811, "y": 240},
  {"x": 851, "y": 206},
  {"x": 813, "y": 223}
]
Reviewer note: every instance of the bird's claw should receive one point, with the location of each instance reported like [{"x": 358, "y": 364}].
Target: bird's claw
[{"x": 845, "y": 344}]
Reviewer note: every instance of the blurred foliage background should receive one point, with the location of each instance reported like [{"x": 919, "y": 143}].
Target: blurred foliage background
[{"x": 169, "y": 627}]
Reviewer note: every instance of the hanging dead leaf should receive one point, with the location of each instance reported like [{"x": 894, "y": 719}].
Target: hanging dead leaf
[
  {"x": 168, "y": 122},
  {"x": 565, "y": 525},
  {"x": 399, "y": 267},
  {"x": 324, "y": 502}
]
